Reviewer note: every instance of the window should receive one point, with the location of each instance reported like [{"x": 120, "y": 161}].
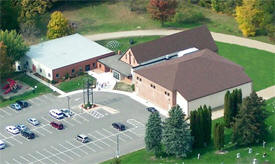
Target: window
[
  {"x": 72, "y": 70},
  {"x": 27, "y": 63},
  {"x": 80, "y": 69},
  {"x": 57, "y": 75},
  {"x": 166, "y": 93},
  {"x": 153, "y": 86},
  {"x": 99, "y": 65},
  {"x": 40, "y": 70},
  {"x": 125, "y": 56},
  {"x": 49, "y": 75},
  {"x": 94, "y": 65}
]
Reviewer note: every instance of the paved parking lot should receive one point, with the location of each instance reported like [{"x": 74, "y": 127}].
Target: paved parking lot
[{"x": 52, "y": 146}]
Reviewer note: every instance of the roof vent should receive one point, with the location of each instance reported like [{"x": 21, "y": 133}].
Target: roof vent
[
  {"x": 187, "y": 51},
  {"x": 167, "y": 57}
]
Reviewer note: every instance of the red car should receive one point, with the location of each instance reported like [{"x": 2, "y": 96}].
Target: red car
[{"x": 56, "y": 125}]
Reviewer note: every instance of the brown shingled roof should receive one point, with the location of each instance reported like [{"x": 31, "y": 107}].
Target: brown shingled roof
[
  {"x": 199, "y": 37},
  {"x": 196, "y": 75}
]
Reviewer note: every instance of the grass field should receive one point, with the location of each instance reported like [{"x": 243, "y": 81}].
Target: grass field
[
  {"x": 41, "y": 89},
  {"x": 110, "y": 17},
  {"x": 258, "y": 64},
  {"x": 74, "y": 83},
  {"x": 121, "y": 86},
  {"x": 208, "y": 155}
]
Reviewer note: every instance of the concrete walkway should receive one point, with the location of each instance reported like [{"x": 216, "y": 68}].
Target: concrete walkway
[
  {"x": 47, "y": 84},
  {"x": 217, "y": 36}
]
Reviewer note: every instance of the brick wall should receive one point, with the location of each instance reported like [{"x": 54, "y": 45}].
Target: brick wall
[
  {"x": 93, "y": 63},
  {"x": 153, "y": 92}
]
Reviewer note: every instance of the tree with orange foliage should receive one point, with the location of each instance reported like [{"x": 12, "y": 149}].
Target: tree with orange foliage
[{"x": 162, "y": 10}]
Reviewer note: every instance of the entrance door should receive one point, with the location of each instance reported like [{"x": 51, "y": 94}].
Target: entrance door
[
  {"x": 33, "y": 68},
  {"x": 87, "y": 68}
]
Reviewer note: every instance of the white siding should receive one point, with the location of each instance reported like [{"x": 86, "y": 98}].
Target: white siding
[
  {"x": 180, "y": 100},
  {"x": 217, "y": 99},
  {"x": 45, "y": 70}
]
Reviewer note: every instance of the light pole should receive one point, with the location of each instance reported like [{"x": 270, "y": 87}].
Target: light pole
[{"x": 117, "y": 146}]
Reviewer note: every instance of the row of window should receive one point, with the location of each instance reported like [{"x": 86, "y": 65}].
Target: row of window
[
  {"x": 153, "y": 86},
  {"x": 139, "y": 79}
]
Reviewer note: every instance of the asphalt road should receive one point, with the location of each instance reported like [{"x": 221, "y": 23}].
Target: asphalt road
[{"x": 53, "y": 147}]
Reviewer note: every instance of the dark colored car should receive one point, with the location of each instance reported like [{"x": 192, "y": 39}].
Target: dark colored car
[
  {"x": 151, "y": 109},
  {"x": 23, "y": 104},
  {"x": 28, "y": 134},
  {"x": 56, "y": 125},
  {"x": 118, "y": 126}
]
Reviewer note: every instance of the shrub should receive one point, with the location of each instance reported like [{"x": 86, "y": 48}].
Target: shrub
[
  {"x": 133, "y": 87},
  {"x": 188, "y": 15},
  {"x": 67, "y": 76}
]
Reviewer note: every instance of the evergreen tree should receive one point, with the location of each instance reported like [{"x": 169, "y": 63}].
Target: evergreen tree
[
  {"x": 218, "y": 136},
  {"x": 249, "y": 126},
  {"x": 194, "y": 126},
  {"x": 208, "y": 125},
  {"x": 177, "y": 134},
  {"x": 153, "y": 134},
  {"x": 239, "y": 99},
  {"x": 234, "y": 101},
  {"x": 58, "y": 26},
  {"x": 227, "y": 109}
]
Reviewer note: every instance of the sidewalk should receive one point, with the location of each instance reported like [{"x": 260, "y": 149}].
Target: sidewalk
[
  {"x": 217, "y": 37},
  {"x": 45, "y": 83}
]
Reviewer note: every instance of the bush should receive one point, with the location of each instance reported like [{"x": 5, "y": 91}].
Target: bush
[
  {"x": 188, "y": 15},
  {"x": 67, "y": 76},
  {"x": 133, "y": 87}
]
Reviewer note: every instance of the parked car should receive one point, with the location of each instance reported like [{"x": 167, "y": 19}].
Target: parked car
[
  {"x": 82, "y": 138},
  {"x": 33, "y": 121},
  {"x": 28, "y": 134},
  {"x": 118, "y": 126},
  {"x": 23, "y": 104},
  {"x": 151, "y": 109},
  {"x": 15, "y": 106},
  {"x": 56, "y": 125},
  {"x": 2, "y": 145},
  {"x": 21, "y": 127},
  {"x": 12, "y": 129},
  {"x": 66, "y": 112},
  {"x": 56, "y": 113}
]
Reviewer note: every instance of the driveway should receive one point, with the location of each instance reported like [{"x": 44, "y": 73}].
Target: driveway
[{"x": 53, "y": 147}]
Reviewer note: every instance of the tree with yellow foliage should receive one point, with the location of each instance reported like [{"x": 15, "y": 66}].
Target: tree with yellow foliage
[
  {"x": 249, "y": 17},
  {"x": 58, "y": 26}
]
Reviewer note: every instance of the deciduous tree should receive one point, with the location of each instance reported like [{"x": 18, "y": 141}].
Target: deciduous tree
[
  {"x": 5, "y": 61},
  {"x": 9, "y": 15},
  {"x": 16, "y": 48},
  {"x": 249, "y": 126},
  {"x": 177, "y": 134},
  {"x": 153, "y": 134},
  {"x": 162, "y": 10},
  {"x": 58, "y": 26}
]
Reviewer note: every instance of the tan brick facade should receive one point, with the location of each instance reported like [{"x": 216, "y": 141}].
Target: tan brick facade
[
  {"x": 154, "y": 93},
  {"x": 129, "y": 58},
  {"x": 72, "y": 69}
]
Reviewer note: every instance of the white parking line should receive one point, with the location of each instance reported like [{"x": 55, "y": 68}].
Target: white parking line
[
  {"x": 69, "y": 150},
  {"x": 25, "y": 159},
  {"x": 45, "y": 119},
  {"x": 62, "y": 152},
  {"x": 31, "y": 101},
  {"x": 3, "y": 136},
  {"x": 76, "y": 120},
  {"x": 16, "y": 140},
  {"x": 7, "y": 162},
  {"x": 6, "y": 112},
  {"x": 83, "y": 118},
  {"x": 24, "y": 138},
  {"x": 127, "y": 136},
  {"x": 105, "y": 136},
  {"x": 38, "y": 132},
  {"x": 98, "y": 140},
  {"x": 9, "y": 142},
  {"x": 16, "y": 161},
  {"x": 68, "y": 122},
  {"x": 54, "y": 155},
  {"x": 44, "y": 158},
  {"x": 46, "y": 130},
  {"x": 35, "y": 158},
  {"x": 14, "y": 110},
  {"x": 76, "y": 147},
  {"x": 97, "y": 145},
  {"x": 77, "y": 99}
]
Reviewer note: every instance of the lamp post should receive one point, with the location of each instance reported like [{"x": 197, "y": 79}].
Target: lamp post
[{"x": 68, "y": 98}]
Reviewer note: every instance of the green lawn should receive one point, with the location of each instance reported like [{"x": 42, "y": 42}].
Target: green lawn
[
  {"x": 258, "y": 64},
  {"x": 208, "y": 154},
  {"x": 41, "y": 89},
  {"x": 74, "y": 83},
  {"x": 110, "y": 17}
]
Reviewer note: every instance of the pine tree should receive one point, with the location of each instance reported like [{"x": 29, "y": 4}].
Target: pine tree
[
  {"x": 58, "y": 26},
  {"x": 227, "y": 109},
  {"x": 177, "y": 134},
  {"x": 194, "y": 125},
  {"x": 249, "y": 126},
  {"x": 153, "y": 134},
  {"x": 208, "y": 125},
  {"x": 239, "y": 99},
  {"x": 234, "y": 101},
  {"x": 218, "y": 136}
]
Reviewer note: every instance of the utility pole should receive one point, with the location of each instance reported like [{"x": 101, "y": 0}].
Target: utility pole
[{"x": 117, "y": 146}]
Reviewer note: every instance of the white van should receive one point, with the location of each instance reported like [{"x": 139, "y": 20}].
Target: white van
[
  {"x": 2, "y": 144},
  {"x": 56, "y": 113}
]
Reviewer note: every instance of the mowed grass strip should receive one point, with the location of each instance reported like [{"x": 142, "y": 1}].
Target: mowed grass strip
[
  {"x": 75, "y": 83},
  {"x": 208, "y": 156}
]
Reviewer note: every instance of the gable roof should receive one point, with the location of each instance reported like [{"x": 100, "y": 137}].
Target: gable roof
[
  {"x": 65, "y": 51},
  {"x": 196, "y": 75},
  {"x": 199, "y": 38}
]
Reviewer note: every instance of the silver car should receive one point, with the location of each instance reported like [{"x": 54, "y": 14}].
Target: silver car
[{"x": 33, "y": 121}]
